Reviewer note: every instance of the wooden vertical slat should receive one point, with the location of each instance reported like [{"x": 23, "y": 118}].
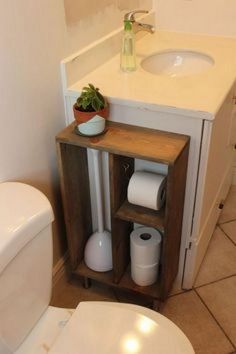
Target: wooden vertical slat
[
  {"x": 74, "y": 178},
  {"x": 121, "y": 169},
  {"x": 176, "y": 181}
]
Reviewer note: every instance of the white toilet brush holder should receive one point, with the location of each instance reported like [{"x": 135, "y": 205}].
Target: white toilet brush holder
[{"x": 98, "y": 250}]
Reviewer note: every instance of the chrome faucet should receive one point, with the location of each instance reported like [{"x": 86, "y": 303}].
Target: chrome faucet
[{"x": 137, "y": 26}]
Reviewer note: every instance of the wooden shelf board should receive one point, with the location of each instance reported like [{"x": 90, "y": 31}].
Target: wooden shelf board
[
  {"x": 141, "y": 215},
  {"x": 103, "y": 277},
  {"x": 132, "y": 141},
  {"x": 126, "y": 283}
]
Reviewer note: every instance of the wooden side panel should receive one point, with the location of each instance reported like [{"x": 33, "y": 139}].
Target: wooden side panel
[
  {"x": 73, "y": 169},
  {"x": 121, "y": 169},
  {"x": 176, "y": 181}
]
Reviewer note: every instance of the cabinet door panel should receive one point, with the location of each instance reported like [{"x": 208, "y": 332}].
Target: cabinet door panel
[{"x": 220, "y": 155}]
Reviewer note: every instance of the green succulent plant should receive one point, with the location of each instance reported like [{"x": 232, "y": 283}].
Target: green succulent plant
[{"x": 90, "y": 100}]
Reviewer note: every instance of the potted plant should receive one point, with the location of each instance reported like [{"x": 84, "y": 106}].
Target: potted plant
[{"x": 89, "y": 104}]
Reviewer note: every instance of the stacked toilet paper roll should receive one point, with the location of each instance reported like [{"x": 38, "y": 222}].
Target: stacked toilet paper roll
[
  {"x": 147, "y": 189},
  {"x": 145, "y": 248}
]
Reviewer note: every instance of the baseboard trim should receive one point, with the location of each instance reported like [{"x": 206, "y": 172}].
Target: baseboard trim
[{"x": 59, "y": 270}]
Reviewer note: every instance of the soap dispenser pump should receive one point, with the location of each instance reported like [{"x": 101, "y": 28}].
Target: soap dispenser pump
[{"x": 128, "y": 57}]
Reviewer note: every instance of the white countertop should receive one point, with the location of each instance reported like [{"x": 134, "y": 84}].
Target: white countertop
[{"x": 200, "y": 95}]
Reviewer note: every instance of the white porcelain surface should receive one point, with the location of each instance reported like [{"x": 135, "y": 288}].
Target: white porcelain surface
[
  {"x": 96, "y": 328},
  {"x": 24, "y": 212},
  {"x": 25, "y": 261},
  {"x": 46, "y": 331},
  {"x": 25, "y": 289},
  {"x": 197, "y": 95},
  {"x": 98, "y": 253},
  {"x": 177, "y": 63}
]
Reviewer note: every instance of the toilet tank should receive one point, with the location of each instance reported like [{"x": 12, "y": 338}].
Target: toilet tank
[{"x": 25, "y": 261}]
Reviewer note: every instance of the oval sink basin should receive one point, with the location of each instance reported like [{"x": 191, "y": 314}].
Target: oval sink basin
[{"x": 177, "y": 63}]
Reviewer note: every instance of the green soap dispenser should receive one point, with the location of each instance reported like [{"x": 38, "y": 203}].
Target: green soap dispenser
[{"x": 128, "y": 56}]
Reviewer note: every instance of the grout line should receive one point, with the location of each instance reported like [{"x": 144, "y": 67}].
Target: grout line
[
  {"x": 183, "y": 291},
  {"x": 227, "y": 235},
  {"x": 217, "y": 322},
  {"x": 226, "y": 222},
  {"x": 214, "y": 281}
]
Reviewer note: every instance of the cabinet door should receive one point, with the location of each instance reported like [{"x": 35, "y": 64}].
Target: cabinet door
[
  {"x": 217, "y": 162},
  {"x": 214, "y": 180}
]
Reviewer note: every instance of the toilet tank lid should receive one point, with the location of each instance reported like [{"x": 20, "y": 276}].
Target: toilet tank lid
[{"x": 24, "y": 212}]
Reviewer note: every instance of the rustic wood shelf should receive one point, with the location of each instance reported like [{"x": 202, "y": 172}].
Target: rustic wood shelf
[
  {"x": 104, "y": 277},
  {"x": 131, "y": 141},
  {"x": 141, "y": 215},
  {"x": 126, "y": 283},
  {"x": 124, "y": 143}
]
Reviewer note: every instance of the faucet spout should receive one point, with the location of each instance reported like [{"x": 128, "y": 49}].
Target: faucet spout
[{"x": 137, "y": 26}]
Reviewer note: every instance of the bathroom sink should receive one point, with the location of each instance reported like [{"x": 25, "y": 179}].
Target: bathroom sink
[{"x": 176, "y": 63}]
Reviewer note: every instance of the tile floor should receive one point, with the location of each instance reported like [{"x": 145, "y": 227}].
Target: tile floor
[{"x": 207, "y": 313}]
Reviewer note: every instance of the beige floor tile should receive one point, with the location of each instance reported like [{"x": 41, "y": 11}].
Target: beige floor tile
[
  {"x": 220, "y": 298},
  {"x": 220, "y": 260},
  {"x": 229, "y": 211},
  {"x": 189, "y": 313},
  {"x": 69, "y": 294},
  {"x": 230, "y": 229}
]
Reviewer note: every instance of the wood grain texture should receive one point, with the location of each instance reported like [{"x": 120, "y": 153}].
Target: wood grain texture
[
  {"x": 74, "y": 180},
  {"x": 176, "y": 182},
  {"x": 141, "y": 215},
  {"x": 126, "y": 283},
  {"x": 124, "y": 143},
  {"x": 83, "y": 271},
  {"x": 121, "y": 169},
  {"x": 132, "y": 141}
]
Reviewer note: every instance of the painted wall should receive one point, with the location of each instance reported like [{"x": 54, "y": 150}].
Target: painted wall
[
  {"x": 32, "y": 42},
  {"x": 35, "y": 36},
  {"x": 201, "y": 16},
  {"x": 86, "y": 23}
]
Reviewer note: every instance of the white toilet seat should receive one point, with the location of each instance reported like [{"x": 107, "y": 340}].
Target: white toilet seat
[{"x": 105, "y": 328}]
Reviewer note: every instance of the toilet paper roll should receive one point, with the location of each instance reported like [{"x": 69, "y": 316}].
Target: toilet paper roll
[
  {"x": 147, "y": 189},
  {"x": 145, "y": 246},
  {"x": 144, "y": 275}
]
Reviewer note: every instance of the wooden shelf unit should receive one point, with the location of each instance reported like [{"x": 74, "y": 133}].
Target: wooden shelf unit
[{"x": 124, "y": 143}]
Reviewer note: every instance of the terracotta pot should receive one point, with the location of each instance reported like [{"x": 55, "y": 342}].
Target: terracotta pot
[{"x": 83, "y": 117}]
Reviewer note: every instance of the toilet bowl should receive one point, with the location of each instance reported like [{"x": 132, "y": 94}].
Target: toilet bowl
[{"x": 28, "y": 325}]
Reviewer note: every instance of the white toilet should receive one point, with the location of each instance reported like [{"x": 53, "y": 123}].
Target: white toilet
[{"x": 28, "y": 325}]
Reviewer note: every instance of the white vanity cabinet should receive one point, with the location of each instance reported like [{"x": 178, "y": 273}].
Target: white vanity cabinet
[
  {"x": 201, "y": 106},
  {"x": 216, "y": 161},
  {"x": 209, "y": 170}
]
